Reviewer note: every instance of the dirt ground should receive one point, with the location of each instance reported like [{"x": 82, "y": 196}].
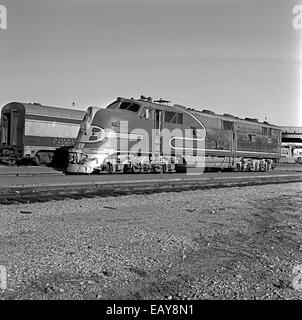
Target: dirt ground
[{"x": 229, "y": 243}]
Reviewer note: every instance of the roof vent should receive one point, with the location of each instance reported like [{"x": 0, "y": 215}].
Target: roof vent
[
  {"x": 162, "y": 101},
  {"x": 149, "y": 99},
  {"x": 208, "y": 112},
  {"x": 250, "y": 119},
  {"x": 229, "y": 116}
]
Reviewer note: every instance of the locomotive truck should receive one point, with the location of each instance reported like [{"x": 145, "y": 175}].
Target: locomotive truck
[
  {"x": 142, "y": 135},
  {"x": 34, "y": 132}
]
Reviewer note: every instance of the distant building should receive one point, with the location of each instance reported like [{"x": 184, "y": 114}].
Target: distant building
[{"x": 291, "y": 145}]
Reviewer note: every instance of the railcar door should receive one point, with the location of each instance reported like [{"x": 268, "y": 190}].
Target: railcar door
[
  {"x": 14, "y": 128},
  {"x": 10, "y": 128},
  {"x": 157, "y": 141}
]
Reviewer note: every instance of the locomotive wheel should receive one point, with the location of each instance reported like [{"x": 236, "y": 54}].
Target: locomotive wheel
[
  {"x": 42, "y": 159},
  {"x": 236, "y": 167},
  {"x": 136, "y": 168},
  {"x": 126, "y": 168},
  {"x": 158, "y": 169},
  {"x": 37, "y": 160},
  {"x": 110, "y": 167}
]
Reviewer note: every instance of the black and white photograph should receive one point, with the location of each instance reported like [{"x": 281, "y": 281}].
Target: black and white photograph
[{"x": 150, "y": 153}]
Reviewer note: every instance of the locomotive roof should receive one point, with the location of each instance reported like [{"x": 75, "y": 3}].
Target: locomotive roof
[
  {"x": 38, "y": 109},
  {"x": 205, "y": 113}
]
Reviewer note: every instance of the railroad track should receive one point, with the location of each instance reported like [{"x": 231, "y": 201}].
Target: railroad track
[{"x": 77, "y": 190}]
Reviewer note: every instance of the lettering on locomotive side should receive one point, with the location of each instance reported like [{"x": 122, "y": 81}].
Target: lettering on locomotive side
[{"x": 3, "y": 18}]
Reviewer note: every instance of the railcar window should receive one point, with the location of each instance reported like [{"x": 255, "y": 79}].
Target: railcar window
[
  {"x": 147, "y": 114},
  {"x": 227, "y": 125},
  {"x": 129, "y": 106}
]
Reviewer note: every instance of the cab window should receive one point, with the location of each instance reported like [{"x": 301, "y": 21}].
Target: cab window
[
  {"x": 170, "y": 117},
  {"x": 129, "y": 106},
  {"x": 147, "y": 114},
  {"x": 180, "y": 118},
  {"x": 173, "y": 117}
]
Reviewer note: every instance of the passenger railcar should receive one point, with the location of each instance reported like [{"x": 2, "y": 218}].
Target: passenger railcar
[
  {"x": 141, "y": 135},
  {"x": 34, "y": 132}
]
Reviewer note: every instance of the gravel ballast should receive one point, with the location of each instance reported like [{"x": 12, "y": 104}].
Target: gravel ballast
[{"x": 229, "y": 243}]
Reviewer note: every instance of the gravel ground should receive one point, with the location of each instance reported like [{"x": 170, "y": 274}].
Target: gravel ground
[{"x": 231, "y": 243}]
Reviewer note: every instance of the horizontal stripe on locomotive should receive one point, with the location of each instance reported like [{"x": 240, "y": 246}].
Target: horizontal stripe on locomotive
[
  {"x": 35, "y": 141},
  {"x": 51, "y": 129},
  {"x": 52, "y": 119},
  {"x": 258, "y": 152}
]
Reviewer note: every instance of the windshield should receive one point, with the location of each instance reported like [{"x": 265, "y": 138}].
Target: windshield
[{"x": 130, "y": 106}]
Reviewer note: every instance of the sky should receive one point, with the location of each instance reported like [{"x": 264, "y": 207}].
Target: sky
[{"x": 241, "y": 57}]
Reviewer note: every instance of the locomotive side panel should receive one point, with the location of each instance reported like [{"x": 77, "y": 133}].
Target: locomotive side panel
[
  {"x": 218, "y": 137},
  {"x": 257, "y": 140}
]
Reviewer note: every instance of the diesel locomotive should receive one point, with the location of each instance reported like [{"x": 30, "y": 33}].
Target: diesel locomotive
[
  {"x": 142, "y": 135},
  {"x": 34, "y": 132}
]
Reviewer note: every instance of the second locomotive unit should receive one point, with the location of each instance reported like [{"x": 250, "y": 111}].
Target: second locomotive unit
[{"x": 142, "y": 135}]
